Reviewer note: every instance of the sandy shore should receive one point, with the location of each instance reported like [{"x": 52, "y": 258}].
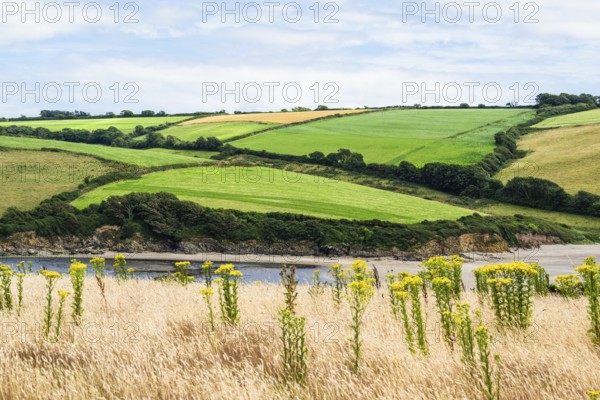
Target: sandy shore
[{"x": 557, "y": 259}]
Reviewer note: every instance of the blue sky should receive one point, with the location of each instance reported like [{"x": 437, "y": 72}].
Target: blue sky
[{"x": 181, "y": 56}]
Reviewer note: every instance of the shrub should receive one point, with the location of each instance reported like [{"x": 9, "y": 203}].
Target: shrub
[
  {"x": 77, "y": 271},
  {"x": 568, "y": 285},
  {"x": 590, "y": 275},
  {"x": 444, "y": 267},
  {"x": 511, "y": 287},
  {"x": 228, "y": 284}
]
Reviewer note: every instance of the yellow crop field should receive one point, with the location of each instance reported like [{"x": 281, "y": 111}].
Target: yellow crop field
[{"x": 275, "y": 118}]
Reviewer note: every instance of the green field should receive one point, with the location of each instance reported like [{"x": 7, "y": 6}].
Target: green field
[
  {"x": 580, "y": 118},
  {"x": 273, "y": 190},
  {"x": 222, "y": 131},
  {"x": 126, "y": 125},
  {"x": 29, "y": 177},
  {"x": 418, "y": 136},
  {"x": 143, "y": 158},
  {"x": 567, "y": 156},
  {"x": 197, "y": 154},
  {"x": 573, "y": 220}
]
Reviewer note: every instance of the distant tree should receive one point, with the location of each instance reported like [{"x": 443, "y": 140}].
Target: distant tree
[
  {"x": 139, "y": 131},
  {"x": 147, "y": 113},
  {"x": 161, "y": 114},
  {"x": 464, "y": 105},
  {"x": 300, "y": 109},
  {"x": 213, "y": 144},
  {"x": 110, "y": 114},
  {"x": 127, "y": 113},
  {"x": 284, "y": 110},
  {"x": 317, "y": 156},
  {"x": 322, "y": 108},
  {"x": 481, "y": 106}
]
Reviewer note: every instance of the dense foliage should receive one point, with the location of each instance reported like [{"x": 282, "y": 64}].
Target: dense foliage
[
  {"x": 114, "y": 137},
  {"x": 165, "y": 217}
]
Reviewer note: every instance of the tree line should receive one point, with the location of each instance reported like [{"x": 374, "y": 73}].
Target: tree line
[{"x": 162, "y": 216}]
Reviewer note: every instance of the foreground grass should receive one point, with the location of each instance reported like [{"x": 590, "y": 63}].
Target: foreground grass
[
  {"x": 567, "y": 156},
  {"x": 222, "y": 131},
  {"x": 580, "y": 118},
  {"x": 126, "y": 125},
  {"x": 143, "y": 158},
  {"x": 274, "y": 190},
  {"x": 153, "y": 341},
  {"x": 418, "y": 136},
  {"x": 29, "y": 177}
]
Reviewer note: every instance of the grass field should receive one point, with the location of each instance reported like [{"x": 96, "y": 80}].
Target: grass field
[
  {"x": 580, "y": 118},
  {"x": 143, "y": 158},
  {"x": 153, "y": 341},
  {"x": 126, "y": 125},
  {"x": 271, "y": 118},
  {"x": 582, "y": 222},
  {"x": 418, "y": 136},
  {"x": 29, "y": 177},
  {"x": 567, "y": 156},
  {"x": 268, "y": 190},
  {"x": 197, "y": 154},
  {"x": 220, "y": 130}
]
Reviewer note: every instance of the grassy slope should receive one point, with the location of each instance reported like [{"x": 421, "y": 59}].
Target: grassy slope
[
  {"x": 222, "y": 131},
  {"x": 580, "y": 118},
  {"x": 482, "y": 206},
  {"x": 157, "y": 335},
  {"x": 418, "y": 136},
  {"x": 581, "y": 222},
  {"x": 28, "y": 177},
  {"x": 126, "y": 125},
  {"x": 568, "y": 156},
  {"x": 144, "y": 158},
  {"x": 265, "y": 190}
]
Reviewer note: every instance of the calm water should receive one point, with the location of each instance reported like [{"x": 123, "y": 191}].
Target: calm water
[{"x": 153, "y": 269}]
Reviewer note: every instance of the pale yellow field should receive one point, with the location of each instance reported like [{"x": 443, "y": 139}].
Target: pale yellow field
[
  {"x": 153, "y": 341},
  {"x": 276, "y": 118},
  {"x": 567, "y": 156}
]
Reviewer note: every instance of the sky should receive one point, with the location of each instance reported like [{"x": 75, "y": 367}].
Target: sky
[{"x": 189, "y": 56}]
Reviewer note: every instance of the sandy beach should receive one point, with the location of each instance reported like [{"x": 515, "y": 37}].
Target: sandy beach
[{"x": 557, "y": 259}]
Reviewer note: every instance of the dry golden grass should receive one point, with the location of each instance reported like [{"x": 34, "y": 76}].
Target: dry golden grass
[
  {"x": 153, "y": 342},
  {"x": 275, "y": 118},
  {"x": 567, "y": 156}
]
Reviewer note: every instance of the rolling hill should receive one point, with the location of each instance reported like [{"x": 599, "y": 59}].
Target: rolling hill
[
  {"x": 418, "y": 136},
  {"x": 274, "y": 190}
]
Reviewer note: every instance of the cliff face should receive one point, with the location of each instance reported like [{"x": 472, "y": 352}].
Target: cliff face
[{"x": 106, "y": 239}]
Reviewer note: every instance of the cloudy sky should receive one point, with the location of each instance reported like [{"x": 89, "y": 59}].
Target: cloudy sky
[{"x": 186, "y": 56}]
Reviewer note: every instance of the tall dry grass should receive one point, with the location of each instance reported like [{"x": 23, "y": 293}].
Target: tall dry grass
[{"x": 154, "y": 341}]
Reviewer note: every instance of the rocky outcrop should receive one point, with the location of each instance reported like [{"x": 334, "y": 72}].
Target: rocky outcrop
[{"x": 106, "y": 239}]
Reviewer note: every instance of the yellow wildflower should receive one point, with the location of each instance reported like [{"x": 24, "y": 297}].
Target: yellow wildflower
[
  {"x": 183, "y": 264},
  {"x": 50, "y": 274},
  {"x": 441, "y": 281},
  {"x": 224, "y": 269},
  {"x": 236, "y": 274}
]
